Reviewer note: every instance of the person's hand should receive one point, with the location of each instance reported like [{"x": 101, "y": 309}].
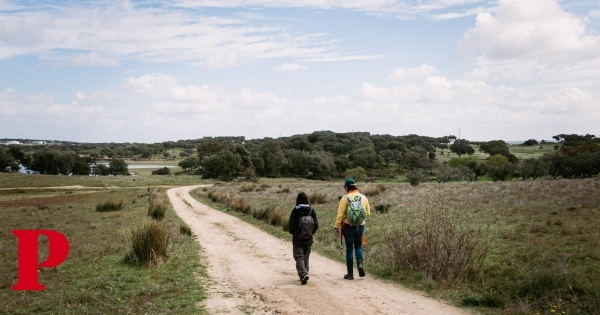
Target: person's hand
[{"x": 336, "y": 233}]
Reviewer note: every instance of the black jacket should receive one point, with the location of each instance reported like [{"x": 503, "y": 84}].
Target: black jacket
[{"x": 294, "y": 223}]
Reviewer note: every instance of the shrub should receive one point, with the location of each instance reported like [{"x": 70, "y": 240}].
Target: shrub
[
  {"x": 373, "y": 191},
  {"x": 149, "y": 244},
  {"x": 162, "y": 171},
  {"x": 415, "y": 177},
  {"x": 318, "y": 198},
  {"x": 383, "y": 208},
  {"x": 109, "y": 206},
  {"x": 436, "y": 244}
]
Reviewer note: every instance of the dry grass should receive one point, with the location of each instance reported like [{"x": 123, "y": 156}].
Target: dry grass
[{"x": 149, "y": 244}]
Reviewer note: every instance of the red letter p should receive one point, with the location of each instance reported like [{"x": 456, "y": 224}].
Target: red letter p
[{"x": 58, "y": 250}]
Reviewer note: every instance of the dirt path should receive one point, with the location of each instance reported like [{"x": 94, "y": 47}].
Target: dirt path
[{"x": 252, "y": 272}]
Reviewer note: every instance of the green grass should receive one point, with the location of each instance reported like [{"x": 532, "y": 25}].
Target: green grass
[
  {"x": 25, "y": 181},
  {"x": 544, "y": 241},
  {"x": 95, "y": 279}
]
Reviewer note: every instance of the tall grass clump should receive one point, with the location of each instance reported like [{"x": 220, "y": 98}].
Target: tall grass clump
[
  {"x": 318, "y": 198},
  {"x": 270, "y": 215},
  {"x": 149, "y": 244},
  {"x": 108, "y": 206},
  {"x": 239, "y": 205},
  {"x": 158, "y": 205},
  {"x": 436, "y": 243}
]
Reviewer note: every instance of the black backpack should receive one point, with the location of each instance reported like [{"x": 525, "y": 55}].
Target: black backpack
[{"x": 307, "y": 223}]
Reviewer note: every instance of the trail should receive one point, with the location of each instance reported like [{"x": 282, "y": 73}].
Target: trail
[{"x": 252, "y": 272}]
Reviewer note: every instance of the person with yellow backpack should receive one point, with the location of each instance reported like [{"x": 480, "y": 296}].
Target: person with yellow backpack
[{"x": 350, "y": 224}]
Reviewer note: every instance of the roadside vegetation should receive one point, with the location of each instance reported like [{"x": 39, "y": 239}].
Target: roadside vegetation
[{"x": 108, "y": 270}]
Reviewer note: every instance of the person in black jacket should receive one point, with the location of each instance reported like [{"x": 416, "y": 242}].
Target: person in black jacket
[{"x": 301, "y": 247}]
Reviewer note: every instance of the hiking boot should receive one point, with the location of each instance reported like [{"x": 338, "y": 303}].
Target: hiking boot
[
  {"x": 305, "y": 279},
  {"x": 361, "y": 269},
  {"x": 349, "y": 276}
]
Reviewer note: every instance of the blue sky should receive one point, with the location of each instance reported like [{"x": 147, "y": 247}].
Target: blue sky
[{"x": 152, "y": 71}]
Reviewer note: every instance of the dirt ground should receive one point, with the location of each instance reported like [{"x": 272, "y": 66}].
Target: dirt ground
[{"x": 252, "y": 272}]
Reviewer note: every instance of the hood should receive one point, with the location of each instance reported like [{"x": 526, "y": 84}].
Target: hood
[{"x": 302, "y": 208}]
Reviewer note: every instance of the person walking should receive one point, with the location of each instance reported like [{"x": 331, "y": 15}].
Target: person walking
[
  {"x": 352, "y": 232},
  {"x": 302, "y": 229}
]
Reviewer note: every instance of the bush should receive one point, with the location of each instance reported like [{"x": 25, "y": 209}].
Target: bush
[
  {"x": 383, "y": 208},
  {"x": 109, "y": 206},
  {"x": 436, "y": 244},
  {"x": 415, "y": 177},
  {"x": 318, "y": 198},
  {"x": 162, "y": 171},
  {"x": 149, "y": 244}
]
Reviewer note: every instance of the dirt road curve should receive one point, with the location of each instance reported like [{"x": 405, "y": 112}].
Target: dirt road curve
[{"x": 252, "y": 272}]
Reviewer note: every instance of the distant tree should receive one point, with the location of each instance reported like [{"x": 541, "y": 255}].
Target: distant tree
[
  {"x": 224, "y": 165},
  {"x": 189, "y": 163},
  {"x": 498, "y": 147},
  {"x": 81, "y": 166},
  {"x": 461, "y": 147},
  {"x": 365, "y": 157},
  {"x": 7, "y": 161},
  {"x": 530, "y": 142},
  {"x": 118, "y": 167},
  {"x": 162, "y": 171},
  {"x": 533, "y": 168},
  {"x": 359, "y": 174},
  {"x": 52, "y": 162},
  {"x": 101, "y": 170},
  {"x": 273, "y": 158},
  {"x": 498, "y": 167}
]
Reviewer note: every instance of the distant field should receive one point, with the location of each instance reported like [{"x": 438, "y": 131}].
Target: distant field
[{"x": 522, "y": 152}]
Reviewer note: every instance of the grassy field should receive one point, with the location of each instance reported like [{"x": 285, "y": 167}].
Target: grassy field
[
  {"x": 542, "y": 237},
  {"x": 95, "y": 278},
  {"x": 520, "y": 151}
]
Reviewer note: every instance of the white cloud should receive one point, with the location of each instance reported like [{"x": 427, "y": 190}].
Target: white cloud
[
  {"x": 105, "y": 34},
  {"x": 531, "y": 30},
  {"x": 421, "y": 71},
  {"x": 93, "y": 60},
  {"x": 289, "y": 67}
]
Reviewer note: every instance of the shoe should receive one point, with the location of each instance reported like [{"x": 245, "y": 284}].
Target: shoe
[
  {"x": 305, "y": 279},
  {"x": 361, "y": 269},
  {"x": 349, "y": 276}
]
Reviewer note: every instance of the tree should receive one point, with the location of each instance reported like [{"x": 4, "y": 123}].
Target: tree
[
  {"x": 162, "y": 171},
  {"x": 7, "y": 161},
  {"x": 530, "y": 142},
  {"x": 498, "y": 147},
  {"x": 498, "y": 167},
  {"x": 273, "y": 158},
  {"x": 118, "y": 167},
  {"x": 81, "y": 166},
  {"x": 224, "y": 165},
  {"x": 461, "y": 147},
  {"x": 534, "y": 168}
]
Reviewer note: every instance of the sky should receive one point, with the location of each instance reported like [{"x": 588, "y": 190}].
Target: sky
[{"x": 152, "y": 71}]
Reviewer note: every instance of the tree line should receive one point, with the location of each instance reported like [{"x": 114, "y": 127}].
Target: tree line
[{"x": 321, "y": 155}]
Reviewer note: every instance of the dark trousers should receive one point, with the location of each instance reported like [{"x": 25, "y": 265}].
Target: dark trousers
[
  {"x": 301, "y": 255},
  {"x": 353, "y": 237}
]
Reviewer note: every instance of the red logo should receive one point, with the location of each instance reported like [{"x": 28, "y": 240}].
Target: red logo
[{"x": 58, "y": 250}]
